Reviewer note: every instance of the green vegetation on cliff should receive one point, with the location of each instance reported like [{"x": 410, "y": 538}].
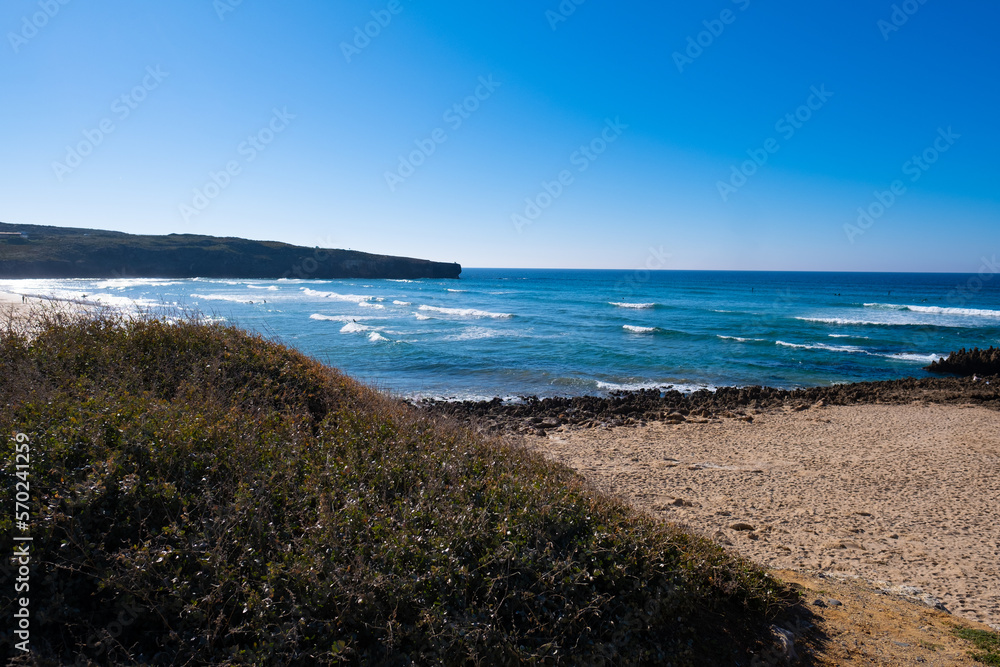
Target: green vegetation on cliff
[
  {"x": 62, "y": 252},
  {"x": 200, "y": 495}
]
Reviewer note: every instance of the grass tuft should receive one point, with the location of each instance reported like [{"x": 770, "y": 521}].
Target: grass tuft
[{"x": 987, "y": 645}]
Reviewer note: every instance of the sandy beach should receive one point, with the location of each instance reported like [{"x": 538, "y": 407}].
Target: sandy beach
[
  {"x": 903, "y": 496},
  {"x": 12, "y": 305}
]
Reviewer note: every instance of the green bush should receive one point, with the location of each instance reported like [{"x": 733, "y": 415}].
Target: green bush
[{"x": 201, "y": 495}]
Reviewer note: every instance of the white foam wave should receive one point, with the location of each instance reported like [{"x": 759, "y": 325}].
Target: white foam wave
[
  {"x": 376, "y": 337},
  {"x": 455, "y": 290},
  {"x": 337, "y": 318},
  {"x": 365, "y": 304},
  {"x": 846, "y": 321},
  {"x": 421, "y": 317},
  {"x": 465, "y": 312},
  {"x": 937, "y": 310},
  {"x": 853, "y": 349},
  {"x": 122, "y": 283},
  {"x": 271, "y": 288},
  {"x": 636, "y": 306},
  {"x": 743, "y": 340},
  {"x": 823, "y": 346},
  {"x": 402, "y": 303},
  {"x": 641, "y": 330},
  {"x": 636, "y": 386},
  {"x": 220, "y": 297},
  {"x": 476, "y": 333},
  {"x": 334, "y": 295},
  {"x": 354, "y": 327},
  {"x": 905, "y": 356}
]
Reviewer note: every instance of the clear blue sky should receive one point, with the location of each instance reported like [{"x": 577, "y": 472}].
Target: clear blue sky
[{"x": 200, "y": 78}]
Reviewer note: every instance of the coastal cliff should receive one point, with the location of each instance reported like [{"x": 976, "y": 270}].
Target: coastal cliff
[{"x": 34, "y": 251}]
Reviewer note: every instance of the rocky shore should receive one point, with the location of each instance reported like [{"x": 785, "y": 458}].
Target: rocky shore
[
  {"x": 533, "y": 415},
  {"x": 969, "y": 362}
]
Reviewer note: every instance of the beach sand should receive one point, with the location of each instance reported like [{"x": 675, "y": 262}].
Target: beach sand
[
  {"x": 12, "y": 305},
  {"x": 903, "y": 496},
  {"x": 14, "y": 309}
]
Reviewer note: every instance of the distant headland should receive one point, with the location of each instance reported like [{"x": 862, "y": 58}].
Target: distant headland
[{"x": 36, "y": 251}]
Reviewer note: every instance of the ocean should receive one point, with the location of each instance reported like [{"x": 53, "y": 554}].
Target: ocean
[{"x": 515, "y": 332}]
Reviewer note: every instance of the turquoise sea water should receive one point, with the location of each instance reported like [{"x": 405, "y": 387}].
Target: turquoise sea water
[{"x": 498, "y": 332}]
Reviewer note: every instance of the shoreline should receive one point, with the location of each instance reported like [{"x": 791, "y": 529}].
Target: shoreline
[{"x": 538, "y": 416}]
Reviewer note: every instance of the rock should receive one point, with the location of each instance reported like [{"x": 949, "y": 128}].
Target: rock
[
  {"x": 972, "y": 362},
  {"x": 671, "y": 406},
  {"x": 834, "y": 603},
  {"x": 784, "y": 645},
  {"x": 742, "y": 527},
  {"x": 819, "y": 603},
  {"x": 680, "y": 502}
]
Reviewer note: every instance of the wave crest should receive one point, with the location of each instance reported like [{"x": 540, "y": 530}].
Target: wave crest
[
  {"x": 465, "y": 312},
  {"x": 635, "y": 306}
]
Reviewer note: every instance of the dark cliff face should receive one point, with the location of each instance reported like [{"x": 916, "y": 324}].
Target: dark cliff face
[{"x": 57, "y": 252}]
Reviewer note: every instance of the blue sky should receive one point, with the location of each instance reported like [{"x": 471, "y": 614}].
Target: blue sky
[{"x": 713, "y": 135}]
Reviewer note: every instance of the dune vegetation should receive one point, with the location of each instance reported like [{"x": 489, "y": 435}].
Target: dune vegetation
[{"x": 200, "y": 494}]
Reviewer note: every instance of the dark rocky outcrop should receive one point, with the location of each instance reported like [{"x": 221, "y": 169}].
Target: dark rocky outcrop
[
  {"x": 61, "y": 252},
  {"x": 535, "y": 415},
  {"x": 969, "y": 362}
]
